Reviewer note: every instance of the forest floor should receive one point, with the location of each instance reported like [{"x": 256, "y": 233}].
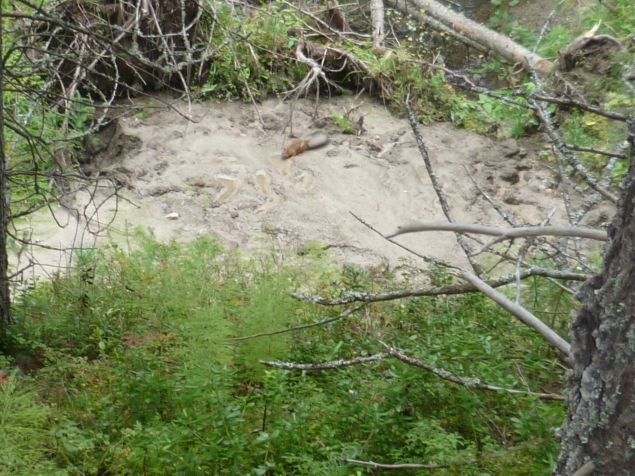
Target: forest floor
[{"x": 222, "y": 175}]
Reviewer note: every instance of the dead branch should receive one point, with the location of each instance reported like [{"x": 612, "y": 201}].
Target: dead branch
[
  {"x": 426, "y": 258},
  {"x": 579, "y": 105},
  {"x": 522, "y": 314},
  {"x": 467, "y": 382},
  {"x": 494, "y": 205},
  {"x": 450, "y": 290},
  {"x": 501, "y": 233},
  {"x": 335, "y": 364},
  {"x": 560, "y": 148},
  {"x": 463, "y": 28},
  {"x": 437, "y": 187},
  {"x": 372, "y": 464},
  {"x": 592, "y": 150},
  {"x": 305, "y": 326}
]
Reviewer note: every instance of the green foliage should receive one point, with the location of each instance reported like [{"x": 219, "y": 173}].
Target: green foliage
[
  {"x": 343, "y": 124},
  {"x": 516, "y": 119},
  {"x": 261, "y": 67},
  {"x": 134, "y": 352},
  {"x": 24, "y": 436}
]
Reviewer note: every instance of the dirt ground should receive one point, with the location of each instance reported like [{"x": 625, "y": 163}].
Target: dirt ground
[{"x": 222, "y": 175}]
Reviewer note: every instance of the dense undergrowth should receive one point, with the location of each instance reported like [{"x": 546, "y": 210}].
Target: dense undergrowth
[{"x": 128, "y": 367}]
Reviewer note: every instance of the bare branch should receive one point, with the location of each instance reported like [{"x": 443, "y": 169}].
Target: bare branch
[
  {"x": 306, "y": 326},
  {"x": 437, "y": 187},
  {"x": 574, "y": 161},
  {"x": 449, "y": 290},
  {"x": 426, "y": 258},
  {"x": 444, "y": 374},
  {"x": 496, "y": 207},
  {"x": 467, "y": 382},
  {"x": 502, "y": 233},
  {"x": 592, "y": 150},
  {"x": 336, "y": 364},
  {"x": 580, "y": 105},
  {"x": 522, "y": 314}
]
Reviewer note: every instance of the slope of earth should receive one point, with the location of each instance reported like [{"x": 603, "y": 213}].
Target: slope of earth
[{"x": 222, "y": 175}]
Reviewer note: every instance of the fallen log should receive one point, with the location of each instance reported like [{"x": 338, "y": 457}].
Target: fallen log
[{"x": 473, "y": 33}]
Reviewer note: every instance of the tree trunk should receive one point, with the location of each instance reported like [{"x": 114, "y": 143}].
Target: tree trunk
[
  {"x": 473, "y": 33},
  {"x": 377, "y": 19},
  {"x": 5, "y": 300},
  {"x": 601, "y": 425}
]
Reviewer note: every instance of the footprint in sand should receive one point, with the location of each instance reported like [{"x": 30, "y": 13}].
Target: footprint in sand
[
  {"x": 303, "y": 181},
  {"x": 231, "y": 185},
  {"x": 263, "y": 180},
  {"x": 283, "y": 166}
]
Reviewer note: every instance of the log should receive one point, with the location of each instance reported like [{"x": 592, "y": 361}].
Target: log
[{"x": 475, "y": 33}]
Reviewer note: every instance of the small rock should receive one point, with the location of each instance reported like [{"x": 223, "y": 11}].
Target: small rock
[
  {"x": 172, "y": 216},
  {"x": 234, "y": 214},
  {"x": 510, "y": 175},
  {"x": 522, "y": 152},
  {"x": 510, "y": 147},
  {"x": 511, "y": 199}
]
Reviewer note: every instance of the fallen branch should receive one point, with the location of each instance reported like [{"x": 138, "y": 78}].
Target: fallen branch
[{"x": 476, "y": 33}]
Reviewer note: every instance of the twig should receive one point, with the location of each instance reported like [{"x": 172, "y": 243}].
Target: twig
[
  {"x": 580, "y": 105},
  {"x": 372, "y": 464},
  {"x": 306, "y": 326},
  {"x": 496, "y": 207},
  {"x": 580, "y": 169},
  {"x": 437, "y": 187},
  {"x": 592, "y": 150},
  {"x": 426, "y": 258},
  {"x": 543, "y": 32}
]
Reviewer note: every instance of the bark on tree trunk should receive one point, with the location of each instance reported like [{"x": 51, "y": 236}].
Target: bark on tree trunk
[
  {"x": 5, "y": 300},
  {"x": 377, "y": 19},
  {"x": 601, "y": 423}
]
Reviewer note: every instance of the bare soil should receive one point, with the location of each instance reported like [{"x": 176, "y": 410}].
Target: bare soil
[{"x": 222, "y": 175}]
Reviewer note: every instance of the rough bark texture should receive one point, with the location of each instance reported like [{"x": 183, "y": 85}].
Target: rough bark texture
[
  {"x": 5, "y": 301},
  {"x": 377, "y": 19},
  {"x": 601, "y": 422}
]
